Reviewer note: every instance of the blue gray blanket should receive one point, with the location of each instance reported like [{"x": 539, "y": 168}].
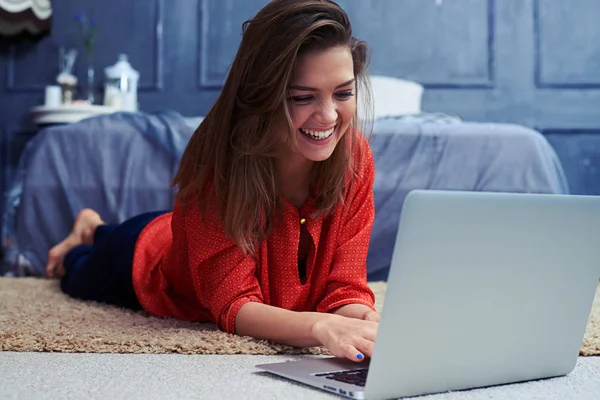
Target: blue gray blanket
[
  {"x": 122, "y": 164},
  {"x": 422, "y": 154}
]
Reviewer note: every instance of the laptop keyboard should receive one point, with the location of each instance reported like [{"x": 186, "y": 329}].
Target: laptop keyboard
[{"x": 356, "y": 377}]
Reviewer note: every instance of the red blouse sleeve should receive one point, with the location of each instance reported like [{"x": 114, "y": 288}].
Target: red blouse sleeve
[
  {"x": 347, "y": 281},
  {"x": 223, "y": 277}
]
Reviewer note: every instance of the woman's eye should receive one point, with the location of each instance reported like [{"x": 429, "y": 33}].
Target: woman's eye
[
  {"x": 301, "y": 99},
  {"x": 344, "y": 95}
]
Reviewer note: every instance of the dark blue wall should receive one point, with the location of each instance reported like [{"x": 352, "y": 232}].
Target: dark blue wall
[{"x": 531, "y": 62}]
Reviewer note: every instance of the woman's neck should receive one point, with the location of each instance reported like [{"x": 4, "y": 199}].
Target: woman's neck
[{"x": 294, "y": 174}]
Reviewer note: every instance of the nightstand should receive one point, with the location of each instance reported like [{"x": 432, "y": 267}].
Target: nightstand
[{"x": 67, "y": 114}]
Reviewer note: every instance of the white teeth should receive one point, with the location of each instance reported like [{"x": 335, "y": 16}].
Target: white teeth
[{"x": 317, "y": 134}]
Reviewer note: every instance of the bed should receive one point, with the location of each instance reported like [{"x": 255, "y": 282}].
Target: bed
[{"x": 121, "y": 165}]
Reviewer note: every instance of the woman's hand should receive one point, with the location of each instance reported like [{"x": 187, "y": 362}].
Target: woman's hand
[
  {"x": 359, "y": 311},
  {"x": 371, "y": 315},
  {"x": 345, "y": 337}
]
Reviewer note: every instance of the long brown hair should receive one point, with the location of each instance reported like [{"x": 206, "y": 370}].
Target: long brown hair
[{"x": 231, "y": 154}]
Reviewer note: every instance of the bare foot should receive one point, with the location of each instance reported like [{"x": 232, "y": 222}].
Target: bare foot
[{"x": 84, "y": 227}]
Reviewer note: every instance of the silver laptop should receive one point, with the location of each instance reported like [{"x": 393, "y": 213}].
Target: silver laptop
[{"x": 484, "y": 289}]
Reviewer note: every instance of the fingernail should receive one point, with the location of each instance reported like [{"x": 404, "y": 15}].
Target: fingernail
[{"x": 359, "y": 356}]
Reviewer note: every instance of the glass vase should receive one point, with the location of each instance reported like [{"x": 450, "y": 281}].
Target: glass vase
[{"x": 90, "y": 84}]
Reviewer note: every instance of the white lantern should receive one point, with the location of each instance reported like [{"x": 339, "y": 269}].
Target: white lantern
[{"x": 120, "y": 89}]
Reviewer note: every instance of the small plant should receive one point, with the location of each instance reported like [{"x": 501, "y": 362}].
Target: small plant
[{"x": 88, "y": 31}]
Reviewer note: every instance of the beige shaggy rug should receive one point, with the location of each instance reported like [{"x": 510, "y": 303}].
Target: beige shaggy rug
[{"x": 36, "y": 316}]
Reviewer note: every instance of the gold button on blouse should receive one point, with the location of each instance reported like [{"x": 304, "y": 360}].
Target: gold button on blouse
[{"x": 302, "y": 221}]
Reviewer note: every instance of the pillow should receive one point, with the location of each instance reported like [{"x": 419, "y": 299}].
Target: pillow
[
  {"x": 395, "y": 97},
  {"x": 194, "y": 122}
]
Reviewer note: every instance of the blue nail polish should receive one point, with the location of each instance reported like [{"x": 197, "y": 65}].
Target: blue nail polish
[{"x": 359, "y": 356}]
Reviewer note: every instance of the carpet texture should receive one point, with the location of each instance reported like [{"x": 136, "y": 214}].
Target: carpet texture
[{"x": 36, "y": 316}]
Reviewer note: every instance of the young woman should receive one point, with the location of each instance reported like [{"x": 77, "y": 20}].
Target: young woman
[{"x": 274, "y": 206}]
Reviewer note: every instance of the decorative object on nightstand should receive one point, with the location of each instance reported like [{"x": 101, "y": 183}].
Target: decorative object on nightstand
[
  {"x": 120, "y": 88},
  {"x": 88, "y": 31},
  {"x": 53, "y": 96},
  {"x": 66, "y": 79}
]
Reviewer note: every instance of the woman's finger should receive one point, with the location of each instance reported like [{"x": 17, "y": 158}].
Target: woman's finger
[
  {"x": 369, "y": 330},
  {"x": 365, "y": 346},
  {"x": 352, "y": 353},
  {"x": 372, "y": 316}
]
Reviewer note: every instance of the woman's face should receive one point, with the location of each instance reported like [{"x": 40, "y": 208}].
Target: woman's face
[{"x": 322, "y": 101}]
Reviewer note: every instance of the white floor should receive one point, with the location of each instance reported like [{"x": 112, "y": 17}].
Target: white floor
[{"x": 114, "y": 376}]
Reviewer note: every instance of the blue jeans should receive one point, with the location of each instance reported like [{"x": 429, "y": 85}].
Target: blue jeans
[{"x": 103, "y": 271}]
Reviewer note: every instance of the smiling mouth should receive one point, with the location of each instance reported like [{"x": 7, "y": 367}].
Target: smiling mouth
[{"x": 318, "y": 135}]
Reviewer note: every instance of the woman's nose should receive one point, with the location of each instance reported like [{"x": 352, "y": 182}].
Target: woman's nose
[{"x": 327, "y": 112}]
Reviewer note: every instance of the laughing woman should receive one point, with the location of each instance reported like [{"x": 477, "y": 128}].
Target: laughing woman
[{"x": 274, "y": 206}]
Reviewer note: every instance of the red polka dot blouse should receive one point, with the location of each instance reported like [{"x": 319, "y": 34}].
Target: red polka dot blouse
[{"x": 194, "y": 272}]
